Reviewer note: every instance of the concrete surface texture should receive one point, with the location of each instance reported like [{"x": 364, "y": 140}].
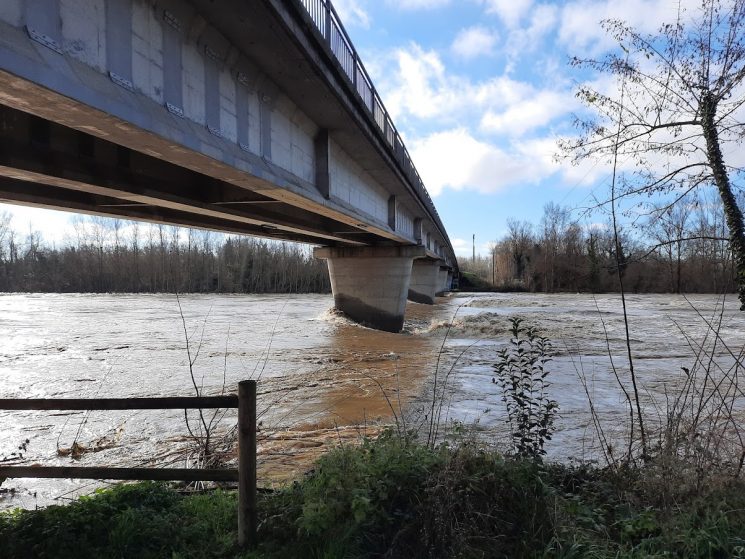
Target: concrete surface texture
[
  {"x": 371, "y": 284},
  {"x": 443, "y": 284},
  {"x": 425, "y": 278}
]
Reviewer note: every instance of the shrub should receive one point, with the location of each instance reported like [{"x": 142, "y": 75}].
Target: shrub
[
  {"x": 395, "y": 498},
  {"x": 144, "y": 520},
  {"x": 521, "y": 374}
]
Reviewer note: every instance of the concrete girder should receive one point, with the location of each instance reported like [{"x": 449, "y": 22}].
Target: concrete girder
[{"x": 370, "y": 284}]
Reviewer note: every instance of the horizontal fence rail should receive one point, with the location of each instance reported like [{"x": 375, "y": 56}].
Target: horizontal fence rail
[
  {"x": 323, "y": 14},
  {"x": 177, "y": 403},
  {"x": 92, "y": 472},
  {"x": 245, "y": 475}
]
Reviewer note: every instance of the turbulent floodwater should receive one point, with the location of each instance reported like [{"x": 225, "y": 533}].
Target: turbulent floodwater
[{"x": 322, "y": 379}]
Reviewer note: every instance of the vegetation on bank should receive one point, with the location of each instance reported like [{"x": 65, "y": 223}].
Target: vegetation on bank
[
  {"x": 471, "y": 282},
  {"x": 112, "y": 255},
  {"x": 685, "y": 251},
  {"x": 396, "y": 498}
]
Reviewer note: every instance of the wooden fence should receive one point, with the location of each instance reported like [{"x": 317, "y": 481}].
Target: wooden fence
[{"x": 245, "y": 475}]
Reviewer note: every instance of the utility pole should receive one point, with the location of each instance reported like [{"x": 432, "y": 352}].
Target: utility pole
[
  {"x": 494, "y": 265},
  {"x": 474, "y": 248}
]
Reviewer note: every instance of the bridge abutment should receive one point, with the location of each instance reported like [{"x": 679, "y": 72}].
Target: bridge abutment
[{"x": 370, "y": 284}]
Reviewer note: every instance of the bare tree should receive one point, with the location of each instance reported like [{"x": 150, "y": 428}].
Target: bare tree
[
  {"x": 680, "y": 113},
  {"x": 553, "y": 224},
  {"x": 6, "y": 248},
  {"x": 5, "y": 231},
  {"x": 519, "y": 242},
  {"x": 669, "y": 228}
]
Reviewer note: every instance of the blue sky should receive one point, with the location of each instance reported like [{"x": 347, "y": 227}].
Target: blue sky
[{"x": 480, "y": 90}]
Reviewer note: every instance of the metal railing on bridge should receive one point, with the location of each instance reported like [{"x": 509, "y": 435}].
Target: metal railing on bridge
[{"x": 329, "y": 25}]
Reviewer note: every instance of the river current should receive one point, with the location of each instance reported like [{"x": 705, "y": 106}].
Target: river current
[{"x": 323, "y": 380}]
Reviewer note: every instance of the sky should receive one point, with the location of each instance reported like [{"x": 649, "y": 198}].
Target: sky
[{"x": 480, "y": 90}]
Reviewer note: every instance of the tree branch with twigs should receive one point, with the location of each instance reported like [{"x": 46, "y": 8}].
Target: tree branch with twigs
[{"x": 683, "y": 95}]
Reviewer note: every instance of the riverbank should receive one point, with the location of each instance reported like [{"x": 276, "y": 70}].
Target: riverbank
[{"x": 396, "y": 498}]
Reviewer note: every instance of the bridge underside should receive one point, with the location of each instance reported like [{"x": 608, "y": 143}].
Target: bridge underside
[{"x": 47, "y": 165}]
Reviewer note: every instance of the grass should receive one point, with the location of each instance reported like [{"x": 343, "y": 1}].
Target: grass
[
  {"x": 470, "y": 282},
  {"x": 394, "y": 497}
]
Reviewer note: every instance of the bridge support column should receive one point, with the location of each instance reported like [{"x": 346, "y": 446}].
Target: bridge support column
[
  {"x": 442, "y": 280},
  {"x": 370, "y": 284},
  {"x": 425, "y": 281}
]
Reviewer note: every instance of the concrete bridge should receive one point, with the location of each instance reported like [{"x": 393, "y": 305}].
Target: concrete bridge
[{"x": 244, "y": 116}]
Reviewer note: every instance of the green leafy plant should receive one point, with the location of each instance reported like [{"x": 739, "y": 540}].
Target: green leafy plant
[{"x": 521, "y": 373}]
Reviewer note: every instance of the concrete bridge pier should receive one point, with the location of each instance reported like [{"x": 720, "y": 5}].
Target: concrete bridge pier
[
  {"x": 425, "y": 281},
  {"x": 443, "y": 285},
  {"x": 370, "y": 284}
]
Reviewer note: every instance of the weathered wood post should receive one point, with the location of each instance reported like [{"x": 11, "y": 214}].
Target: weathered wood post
[{"x": 247, "y": 513}]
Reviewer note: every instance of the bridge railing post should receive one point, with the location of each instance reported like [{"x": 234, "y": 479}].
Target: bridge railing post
[
  {"x": 355, "y": 72},
  {"x": 328, "y": 23}
]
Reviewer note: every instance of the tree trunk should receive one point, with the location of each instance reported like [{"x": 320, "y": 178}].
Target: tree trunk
[
  {"x": 678, "y": 269},
  {"x": 732, "y": 212}
]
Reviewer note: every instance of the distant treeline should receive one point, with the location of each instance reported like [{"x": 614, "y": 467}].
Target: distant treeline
[
  {"x": 684, "y": 250},
  {"x": 110, "y": 255}
]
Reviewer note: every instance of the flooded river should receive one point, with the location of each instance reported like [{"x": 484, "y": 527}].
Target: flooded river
[{"x": 322, "y": 379}]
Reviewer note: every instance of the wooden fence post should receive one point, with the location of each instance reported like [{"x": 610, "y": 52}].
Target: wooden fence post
[{"x": 247, "y": 513}]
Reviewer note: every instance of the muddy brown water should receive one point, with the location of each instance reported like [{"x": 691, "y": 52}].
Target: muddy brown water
[{"x": 323, "y": 381}]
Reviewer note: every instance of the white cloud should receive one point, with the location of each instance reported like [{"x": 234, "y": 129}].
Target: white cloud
[
  {"x": 509, "y": 11},
  {"x": 463, "y": 247},
  {"x": 455, "y": 159},
  {"x": 529, "y": 113},
  {"x": 460, "y": 244},
  {"x": 542, "y": 19},
  {"x": 420, "y": 86},
  {"x": 542, "y": 153},
  {"x": 474, "y": 41},
  {"x": 439, "y": 112},
  {"x": 526, "y": 40},
  {"x": 580, "y": 28},
  {"x": 418, "y": 4},
  {"x": 352, "y": 13}
]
